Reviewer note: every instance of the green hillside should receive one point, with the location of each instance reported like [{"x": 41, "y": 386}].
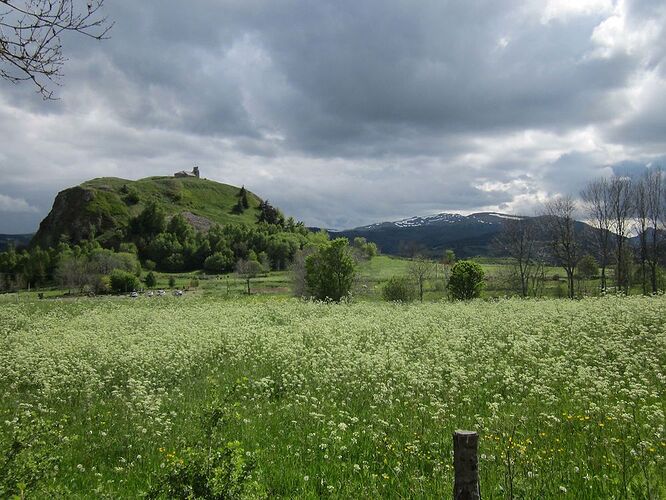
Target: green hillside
[{"x": 100, "y": 207}]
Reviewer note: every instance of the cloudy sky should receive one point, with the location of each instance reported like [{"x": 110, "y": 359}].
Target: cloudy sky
[{"x": 348, "y": 112}]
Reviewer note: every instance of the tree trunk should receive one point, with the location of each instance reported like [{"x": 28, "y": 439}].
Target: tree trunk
[{"x": 571, "y": 284}]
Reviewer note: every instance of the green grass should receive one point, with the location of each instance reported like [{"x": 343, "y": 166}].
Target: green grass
[
  {"x": 209, "y": 199},
  {"x": 372, "y": 274},
  {"x": 346, "y": 401},
  {"x": 202, "y": 197}
]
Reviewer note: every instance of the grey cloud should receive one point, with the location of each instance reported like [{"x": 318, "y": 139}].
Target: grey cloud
[{"x": 344, "y": 112}]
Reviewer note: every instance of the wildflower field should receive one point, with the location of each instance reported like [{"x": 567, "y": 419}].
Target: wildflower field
[{"x": 282, "y": 398}]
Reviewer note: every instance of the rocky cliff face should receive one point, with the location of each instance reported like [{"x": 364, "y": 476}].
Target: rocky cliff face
[{"x": 79, "y": 213}]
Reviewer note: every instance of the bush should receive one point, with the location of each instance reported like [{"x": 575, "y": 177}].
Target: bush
[
  {"x": 151, "y": 280},
  {"x": 399, "y": 289},
  {"x": 132, "y": 197},
  {"x": 222, "y": 471},
  {"x": 329, "y": 272},
  {"x": 122, "y": 281},
  {"x": 225, "y": 472},
  {"x": 467, "y": 280},
  {"x": 587, "y": 267},
  {"x": 172, "y": 282},
  {"x": 219, "y": 262}
]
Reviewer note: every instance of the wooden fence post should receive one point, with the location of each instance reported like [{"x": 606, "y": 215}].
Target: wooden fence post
[{"x": 466, "y": 466}]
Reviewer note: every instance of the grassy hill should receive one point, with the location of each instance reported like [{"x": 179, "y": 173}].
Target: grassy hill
[{"x": 102, "y": 206}]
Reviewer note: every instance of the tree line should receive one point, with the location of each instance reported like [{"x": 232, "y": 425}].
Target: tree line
[
  {"x": 621, "y": 244},
  {"x": 154, "y": 241},
  {"x": 623, "y": 237}
]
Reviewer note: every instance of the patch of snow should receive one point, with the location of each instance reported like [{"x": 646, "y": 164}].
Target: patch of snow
[
  {"x": 430, "y": 219},
  {"x": 504, "y": 216}
]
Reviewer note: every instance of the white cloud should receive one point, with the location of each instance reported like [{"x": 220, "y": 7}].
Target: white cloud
[
  {"x": 563, "y": 10},
  {"x": 621, "y": 34},
  {"x": 15, "y": 205}
]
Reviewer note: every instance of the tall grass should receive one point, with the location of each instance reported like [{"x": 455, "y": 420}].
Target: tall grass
[{"x": 351, "y": 401}]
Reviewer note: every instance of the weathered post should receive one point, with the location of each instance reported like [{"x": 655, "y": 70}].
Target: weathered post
[{"x": 466, "y": 466}]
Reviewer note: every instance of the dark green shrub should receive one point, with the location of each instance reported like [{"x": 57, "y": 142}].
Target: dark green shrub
[
  {"x": 330, "y": 270},
  {"x": 219, "y": 262},
  {"x": 467, "y": 280},
  {"x": 587, "y": 267},
  {"x": 151, "y": 280},
  {"x": 122, "y": 281},
  {"x": 399, "y": 289}
]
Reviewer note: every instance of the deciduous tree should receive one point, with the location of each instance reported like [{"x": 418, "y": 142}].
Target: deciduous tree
[
  {"x": 561, "y": 226},
  {"x": 597, "y": 207},
  {"x": 421, "y": 270},
  {"x": 330, "y": 270}
]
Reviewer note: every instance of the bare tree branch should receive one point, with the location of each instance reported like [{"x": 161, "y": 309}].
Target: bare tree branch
[
  {"x": 30, "y": 31},
  {"x": 561, "y": 226}
]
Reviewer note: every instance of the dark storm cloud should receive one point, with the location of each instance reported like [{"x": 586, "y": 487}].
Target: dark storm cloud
[{"x": 347, "y": 112}]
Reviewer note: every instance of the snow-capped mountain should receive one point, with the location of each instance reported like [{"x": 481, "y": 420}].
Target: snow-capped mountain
[{"x": 467, "y": 235}]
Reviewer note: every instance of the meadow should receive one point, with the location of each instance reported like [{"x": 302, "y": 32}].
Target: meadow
[{"x": 278, "y": 397}]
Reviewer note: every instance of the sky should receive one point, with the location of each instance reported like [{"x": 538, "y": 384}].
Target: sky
[{"x": 346, "y": 112}]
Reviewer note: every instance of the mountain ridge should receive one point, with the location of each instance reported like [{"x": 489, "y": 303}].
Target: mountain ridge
[{"x": 467, "y": 235}]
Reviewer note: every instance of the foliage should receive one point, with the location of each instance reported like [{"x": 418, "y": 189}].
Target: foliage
[
  {"x": 248, "y": 269},
  {"x": 199, "y": 472},
  {"x": 330, "y": 270},
  {"x": 364, "y": 249},
  {"x": 269, "y": 214},
  {"x": 151, "y": 280},
  {"x": 242, "y": 195},
  {"x": 399, "y": 289},
  {"x": 131, "y": 195},
  {"x": 27, "y": 454},
  {"x": 219, "y": 262},
  {"x": 449, "y": 257},
  {"x": 150, "y": 222},
  {"x": 122, "y": 281},
  {"x": 587, "y": 267},
  {"x": 466, "y": 281},
  {"x": 172, "y": 282}
]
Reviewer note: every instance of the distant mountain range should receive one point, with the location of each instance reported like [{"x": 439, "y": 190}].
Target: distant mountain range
[
  {"x": 15, "y": 240},
  {"x": 467, "y": 235}
]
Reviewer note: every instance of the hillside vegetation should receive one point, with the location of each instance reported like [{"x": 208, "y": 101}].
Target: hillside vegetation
[{"x": 101, "y": 207}]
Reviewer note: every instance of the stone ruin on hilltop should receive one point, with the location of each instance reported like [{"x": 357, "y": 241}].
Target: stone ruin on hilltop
[{"x": 183, "y": 173}]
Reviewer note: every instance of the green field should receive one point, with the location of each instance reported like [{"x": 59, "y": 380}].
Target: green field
[
  {"x": 108, "y": 398},
  {"x": 372, "y": 274}
]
